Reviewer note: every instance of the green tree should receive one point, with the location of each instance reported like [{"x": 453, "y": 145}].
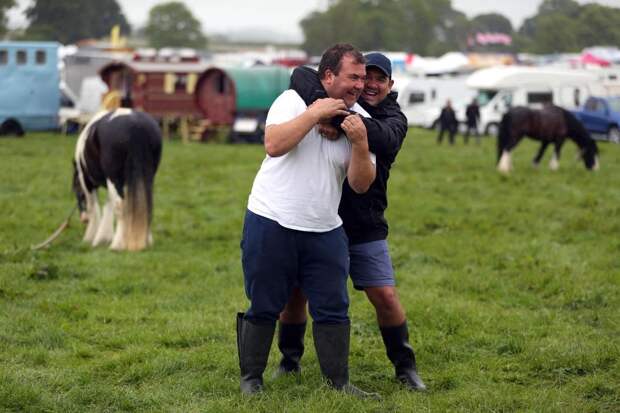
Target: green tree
[
  {"x": 491, "y": 22},
  {"x": 173, "y": 25},
  {"x": 555, "y": 33},
  {"x": 598, "y": 25},
  {"x": 4, "y": 6},
  {"x": 68, "y": 21}
]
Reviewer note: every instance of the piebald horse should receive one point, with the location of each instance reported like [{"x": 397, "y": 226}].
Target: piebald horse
[
  {"x": 120, "y": 150},
  {"x": 552, "y": 124}
]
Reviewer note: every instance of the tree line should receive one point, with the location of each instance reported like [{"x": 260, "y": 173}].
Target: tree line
[{"x": 426, "y": 27}]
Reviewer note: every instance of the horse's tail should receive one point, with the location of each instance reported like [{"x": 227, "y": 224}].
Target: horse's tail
[
  {"x": 503, "y": 136},
  {"x": 140, "y": 167}
]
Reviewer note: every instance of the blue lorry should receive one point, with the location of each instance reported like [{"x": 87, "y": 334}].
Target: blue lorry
[
  {"x": 30, "y": 85},
  {"x": 601, "y": 117}
]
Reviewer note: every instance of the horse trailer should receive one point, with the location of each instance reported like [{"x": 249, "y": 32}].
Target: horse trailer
[
  {"x": 500, "y": 88},
  {"x": 30, "y": 84}
]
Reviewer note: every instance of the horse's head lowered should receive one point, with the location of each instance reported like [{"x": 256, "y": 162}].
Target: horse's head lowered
[{"x": 589, "y": 154}]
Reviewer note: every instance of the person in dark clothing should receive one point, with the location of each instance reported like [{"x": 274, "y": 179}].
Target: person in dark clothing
[
  {"x": 447, "y": 122},
  {"x": 365, "y": 225},
  {"x": 472, "y": 113}
]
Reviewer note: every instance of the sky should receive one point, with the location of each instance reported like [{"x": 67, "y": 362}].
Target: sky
[{"x": 283, "y": 16}]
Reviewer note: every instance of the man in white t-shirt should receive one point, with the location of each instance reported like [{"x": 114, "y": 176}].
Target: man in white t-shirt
[{"x": 292, "y": 234}]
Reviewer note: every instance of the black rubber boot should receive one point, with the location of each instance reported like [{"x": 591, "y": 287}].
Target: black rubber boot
[
  {"x": 332, "y": 349},
  {"x": 400, "y": 353},
  {"x": 291, "y": 345},
  {"x": 253, "y": 344}
]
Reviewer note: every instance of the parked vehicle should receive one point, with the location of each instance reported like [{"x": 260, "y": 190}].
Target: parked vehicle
[
  {"x": 601, "y": 116},
  {"x": 499, "y": 88},
  {"x": 30, "y": 84},
  {"x": 239, "y": 98},
  {"x": 421, "y": 98}
]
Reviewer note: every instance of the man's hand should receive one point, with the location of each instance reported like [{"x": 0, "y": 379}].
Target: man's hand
[
  {"x": 327, "y": 108},
  {"x": 328, "y": 131},
  {"x": 355, "y": 130}
]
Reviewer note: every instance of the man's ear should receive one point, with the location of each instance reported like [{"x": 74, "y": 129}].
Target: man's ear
[
  {"x": 328, "y": 77},
  {"x": 391, "y": 83}
]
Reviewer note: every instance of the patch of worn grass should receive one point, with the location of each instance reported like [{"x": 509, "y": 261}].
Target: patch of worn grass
[{"x": 511, "y": 286}]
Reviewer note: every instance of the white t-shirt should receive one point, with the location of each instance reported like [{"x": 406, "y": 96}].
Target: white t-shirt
[{"x": 301, "y": 189}]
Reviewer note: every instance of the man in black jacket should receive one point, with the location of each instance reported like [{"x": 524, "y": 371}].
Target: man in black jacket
[
  {"x": 472, "y": 113},
  {"x": 365, "y": 224},
  {"x": 447, "y": 122}
]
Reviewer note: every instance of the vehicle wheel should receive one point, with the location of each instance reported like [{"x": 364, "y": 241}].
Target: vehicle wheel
[
  {"x": 492, "y": 129},
  {"x": 613, "y": 134},
  {"x": 11, "y": 127}
]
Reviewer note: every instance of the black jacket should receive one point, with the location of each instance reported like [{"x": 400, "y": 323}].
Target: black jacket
[{"x": 363, "y": 214}]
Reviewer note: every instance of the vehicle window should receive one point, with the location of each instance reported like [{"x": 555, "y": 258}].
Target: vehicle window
[
  {"x": 21, "y": 57},
  {"x": 4, "y": 57},
  {"x": 614, "y": 105},
  {"x": 539, "y": 97},
  {"x": 591, "y": 105},
  {"x": 484, "y": 96},
  {"x": 433, "y": 94},
  {"x": 507, "y": 99},
  {"x": 40, "y": 57},
  {"x": 600, "y": 106},
  {"x": 416, "y": 97}
]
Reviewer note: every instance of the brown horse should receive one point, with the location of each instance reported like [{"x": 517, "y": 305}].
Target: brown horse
[{"x": 552, "y": 124}]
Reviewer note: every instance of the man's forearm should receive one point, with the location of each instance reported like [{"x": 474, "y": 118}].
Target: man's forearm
[
  {"x": 361, "y": 172},
  {"x": 281, "y": 138}
]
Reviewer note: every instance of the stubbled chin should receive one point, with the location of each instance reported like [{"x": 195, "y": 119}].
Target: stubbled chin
[{"x": 369, "y": 99}]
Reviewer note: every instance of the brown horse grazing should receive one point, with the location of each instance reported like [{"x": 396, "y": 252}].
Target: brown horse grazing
[{"x": 552, "y": 124}]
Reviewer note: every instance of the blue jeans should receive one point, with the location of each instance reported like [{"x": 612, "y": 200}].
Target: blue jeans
[{"x": 276, "y": 259}]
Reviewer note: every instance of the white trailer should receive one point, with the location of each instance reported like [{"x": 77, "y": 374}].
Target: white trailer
[
  {"x": 499, "y": 88},
  {"x": 421, "y": 98}
]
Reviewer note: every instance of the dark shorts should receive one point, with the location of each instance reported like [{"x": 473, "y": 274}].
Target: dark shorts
[
  {"x": 371, "y": 265},
  {"x": 276, "y": 259}
]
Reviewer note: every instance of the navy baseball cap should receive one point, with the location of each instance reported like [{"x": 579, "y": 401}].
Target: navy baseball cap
[{"x": 380, "y": 61}]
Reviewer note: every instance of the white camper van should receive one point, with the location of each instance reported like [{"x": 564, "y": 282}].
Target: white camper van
[
  {"x": 421, "y": 98},
  {"x": 499, "y": 88}
]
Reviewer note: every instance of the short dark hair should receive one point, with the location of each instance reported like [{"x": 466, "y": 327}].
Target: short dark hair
[{"x": 332, "y": 58}]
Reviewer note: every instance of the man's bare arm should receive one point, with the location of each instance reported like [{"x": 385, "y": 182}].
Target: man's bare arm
[
  {"x": 281, "y": 138},
  {"x": 362, "y": 171}
]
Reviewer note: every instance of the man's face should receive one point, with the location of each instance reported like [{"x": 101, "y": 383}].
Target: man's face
[
  {"x": 348, "y": 83},
  {"x": 377, "y": 86}
]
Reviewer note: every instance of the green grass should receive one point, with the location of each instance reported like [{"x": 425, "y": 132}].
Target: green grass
[{"x": 511, "y": 286}]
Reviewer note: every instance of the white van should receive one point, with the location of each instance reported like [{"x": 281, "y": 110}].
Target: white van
[
  {"x": 421, "y": 98},
  {"x": 499, "y": 88}
]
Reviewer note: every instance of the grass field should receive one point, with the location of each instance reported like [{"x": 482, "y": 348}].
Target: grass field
[{"x": 511, "y": 285}]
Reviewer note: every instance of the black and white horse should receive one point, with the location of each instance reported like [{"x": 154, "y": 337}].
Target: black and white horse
[
  {"x": 552, "y": 124},
  {"x": 120, "y": 150}
]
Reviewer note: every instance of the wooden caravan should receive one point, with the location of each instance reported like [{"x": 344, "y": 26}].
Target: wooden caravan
[{"x": 239, "y": 98}]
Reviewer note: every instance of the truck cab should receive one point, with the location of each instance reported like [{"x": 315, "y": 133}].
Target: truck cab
[{"x": 601, "y": 116}]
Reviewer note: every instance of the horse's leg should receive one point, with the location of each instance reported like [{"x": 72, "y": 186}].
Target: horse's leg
[
  {"x": 554, "y": 163},
  {"x": 118, "y": 242},
  {"x": 93, "y": 215},
  {"x": 505, "y": 162},
  {"x": 541, "y": 152},
  {"x": 105, "y": 233}
]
